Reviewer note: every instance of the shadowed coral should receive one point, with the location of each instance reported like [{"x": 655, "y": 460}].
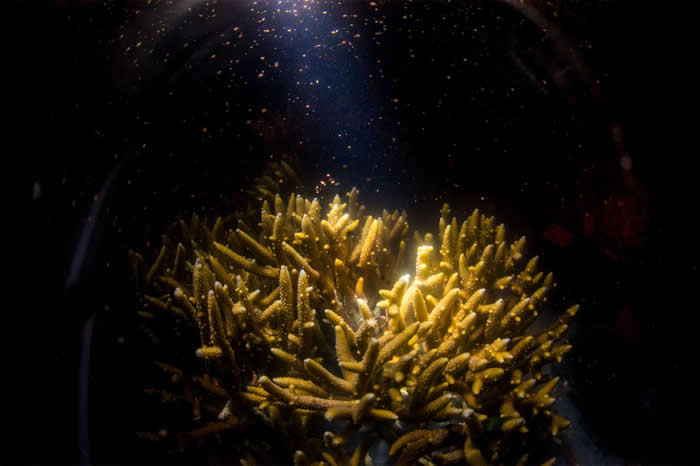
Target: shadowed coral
[{"x": 302, "y": 318}]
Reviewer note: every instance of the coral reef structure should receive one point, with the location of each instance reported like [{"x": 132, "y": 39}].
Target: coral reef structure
[{"x": 308, "y": 326}]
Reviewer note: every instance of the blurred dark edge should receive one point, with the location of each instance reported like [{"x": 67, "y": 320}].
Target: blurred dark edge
[{"x": 650, "y": 47}]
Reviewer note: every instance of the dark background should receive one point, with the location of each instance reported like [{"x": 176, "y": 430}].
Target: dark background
[{"x": 546, "y": 159}]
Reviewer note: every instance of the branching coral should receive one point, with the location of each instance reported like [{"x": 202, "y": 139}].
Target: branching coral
[{"x": 306, "y": 316}]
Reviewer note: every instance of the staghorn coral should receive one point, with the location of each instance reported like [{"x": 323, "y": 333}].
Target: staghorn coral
[{"x": 306, "y": 324}]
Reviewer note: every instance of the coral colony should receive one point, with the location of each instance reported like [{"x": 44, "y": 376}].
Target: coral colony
[{"x": 313, "y": 337}]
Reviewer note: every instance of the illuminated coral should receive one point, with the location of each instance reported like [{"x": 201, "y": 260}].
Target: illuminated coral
[{"x": 307, "y": 322}]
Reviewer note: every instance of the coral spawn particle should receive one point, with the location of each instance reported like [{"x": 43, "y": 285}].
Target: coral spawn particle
[{"x": 307, "y": 323}]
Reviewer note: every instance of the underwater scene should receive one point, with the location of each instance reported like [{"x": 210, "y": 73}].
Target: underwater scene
[{"x": 349, "y": 232}]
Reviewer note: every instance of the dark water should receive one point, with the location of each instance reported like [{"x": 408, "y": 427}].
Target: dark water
[{"x": 559, "y": 118}]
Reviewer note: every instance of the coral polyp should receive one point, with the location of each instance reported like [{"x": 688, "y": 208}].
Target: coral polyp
[{"x": 309, "y": 326}]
